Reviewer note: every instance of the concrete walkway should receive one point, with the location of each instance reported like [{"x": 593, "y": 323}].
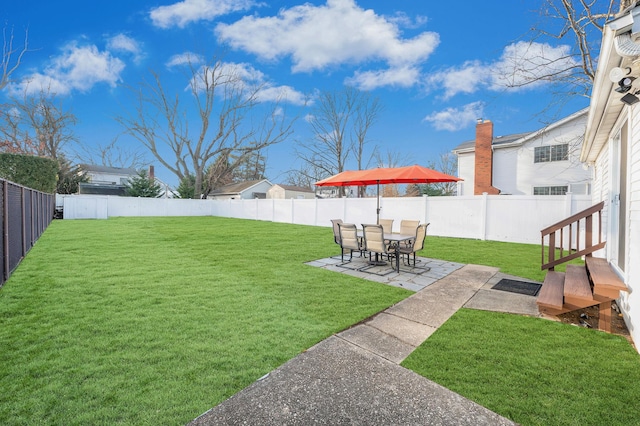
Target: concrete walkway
[{"x": 354, "y": 377}]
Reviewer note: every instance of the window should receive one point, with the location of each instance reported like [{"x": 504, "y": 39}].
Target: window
[
  {"x": 543, "y": 154},
  {"x": 550, "y": 190}
]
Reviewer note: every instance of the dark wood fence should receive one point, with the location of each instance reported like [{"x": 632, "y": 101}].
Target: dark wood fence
[{"x": 25, "y": 214}]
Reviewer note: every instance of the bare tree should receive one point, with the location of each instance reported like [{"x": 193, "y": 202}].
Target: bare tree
[
  {"x": 391, "y": 159},
  {"x": 447, "y": 163},
  {"x": 226, "y": 122},
  {"x": 580, "y": 24},
  {"x": 253, "y": 168},
  {"x": 11, "y": 56},
  {"x": 365, "y": 116},
  {"x": 113, "y": 154},
  {"x": 339, "y": 121},
  {"x": 305, "y": 177},
  {"x": 37, "y": 125}
]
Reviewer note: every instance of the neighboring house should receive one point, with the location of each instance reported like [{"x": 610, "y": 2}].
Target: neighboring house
[
  {"x": 279, "y": 191},
  {"x": 544, "y": 162},
  {"x": 105, "y": 180},
  {"x": 243, "y": 190},
  {"x": 334, "y": 191},
  {"x": 612, "y": 147}
]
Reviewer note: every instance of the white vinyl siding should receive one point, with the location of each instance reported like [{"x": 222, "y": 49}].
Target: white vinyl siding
[{"x": 466, "y": 171}]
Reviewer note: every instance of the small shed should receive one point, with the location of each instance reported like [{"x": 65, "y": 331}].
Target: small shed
[
  {"x": 281, "y": 192},
  {"x": 242, "y": 190}
]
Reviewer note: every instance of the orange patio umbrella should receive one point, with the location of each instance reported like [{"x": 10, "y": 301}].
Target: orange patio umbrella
[{"x": 387, "y": 175}]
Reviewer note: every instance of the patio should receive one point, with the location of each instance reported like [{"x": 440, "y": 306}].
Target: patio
[
  {"x": 483, "y": 298},
  {"x": 409, "y": 278}
]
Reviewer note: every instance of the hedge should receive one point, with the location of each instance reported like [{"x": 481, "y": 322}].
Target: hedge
[{"x": 33, "y": 172}]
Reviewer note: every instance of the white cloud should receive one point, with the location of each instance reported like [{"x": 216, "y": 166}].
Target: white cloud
[
  {"x": 184, "y": 12},
  {"x": 532, "y": 64},
  {"x": 468, "y": 78},
  {"x": 246, "y": 76},
  {"x": 185, "y": 58},
  {"x": 317, "y": 37},
  {"x": 454, "y": 119},
  {"x": 394, "y": 77},
  {"x": 76, "y": 68},
  {"x": 124, "y": 43},
  {"x": 288, "y": 94},
  {"x": 522, "y": 65},
  {"x": 404, "y": 20}
]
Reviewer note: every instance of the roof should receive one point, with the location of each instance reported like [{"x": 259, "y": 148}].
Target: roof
[
  {"x": 520, "y": 138},
  {"x": 111, "y": 170},
  {"x": 238, "y": 187},
  {"x": 605, "y": 106},
  {"x": 497, "y": 140},
  {"x": 294, "y": 188}
]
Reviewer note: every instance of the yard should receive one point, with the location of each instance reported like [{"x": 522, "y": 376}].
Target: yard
[{"x": 156, "y": 320}]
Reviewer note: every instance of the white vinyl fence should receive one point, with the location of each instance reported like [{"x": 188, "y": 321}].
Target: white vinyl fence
[{"x": 510, "y": 218}]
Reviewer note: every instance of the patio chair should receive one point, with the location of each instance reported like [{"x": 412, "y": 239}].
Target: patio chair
[
  {"x": 418, "y": 244},
  {"x": 374, "y": 242},
  {"x": 336, "y": 230},
  {"x": 349, "y": 240},
  {"x": 408, "y": 227},
  {"x": 387, "y": 225}
]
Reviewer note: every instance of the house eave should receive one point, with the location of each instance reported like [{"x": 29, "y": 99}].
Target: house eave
[{"x": 605, "y": 106}]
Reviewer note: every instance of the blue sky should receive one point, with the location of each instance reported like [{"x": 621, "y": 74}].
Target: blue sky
[{"x": 436, "y": 67}]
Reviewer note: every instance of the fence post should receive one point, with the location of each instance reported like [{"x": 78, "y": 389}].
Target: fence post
[
  {"x": 568, "y": 202},
  {"x": 483, "y": 216},
  {"x": 23, "y": 221},
  {"x": 344, "y": 209},
  {"x": 5, "y": 229},
  {"x": 425, "y": 198}
]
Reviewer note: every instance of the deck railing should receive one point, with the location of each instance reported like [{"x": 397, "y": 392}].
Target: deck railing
[{"x": 562, "y": 241}]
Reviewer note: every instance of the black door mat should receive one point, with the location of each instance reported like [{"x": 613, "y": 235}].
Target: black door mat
[{"x": 520, "y": 287}]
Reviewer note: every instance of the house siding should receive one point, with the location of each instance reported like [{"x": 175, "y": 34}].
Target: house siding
[
  {"x": 466, "y": 163},
  {"x": 570, "y": 172},
  {"x": 506, "y": 165},
  {"x": 607, "y": 115},
  {"x": 631, "y": 301},
  {"x": 513, "y": 170}
]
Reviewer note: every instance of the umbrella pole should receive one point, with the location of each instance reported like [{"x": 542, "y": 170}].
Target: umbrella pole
[{"x": 378, "y": 204}]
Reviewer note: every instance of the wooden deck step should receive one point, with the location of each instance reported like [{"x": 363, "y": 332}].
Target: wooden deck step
[
  {"x": 552, "y": 291},
  {"x": 605, "y": 281},
  {"x": 577, "y": 288}
]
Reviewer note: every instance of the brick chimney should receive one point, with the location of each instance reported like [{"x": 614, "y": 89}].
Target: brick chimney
[
  {"x": 483, "y": 178},
  {"x": 152, "y": 175}
]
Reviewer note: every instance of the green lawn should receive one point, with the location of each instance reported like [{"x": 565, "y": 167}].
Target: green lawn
[
  {"x": 156, "y": 320},
  {"x": 522, "y": 260},
  {"x": 534, "y": 371}
]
